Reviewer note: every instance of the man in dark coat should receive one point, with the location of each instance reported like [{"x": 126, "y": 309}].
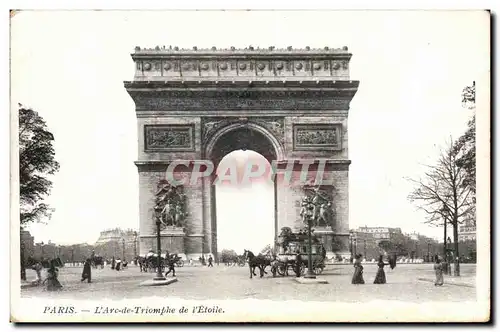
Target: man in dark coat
[
  {"x": 87, "y": 271},
  {"x": 170, "y": 262},
  {"x": 298, "y": 264},
  {"x": 210, "y": 260}
]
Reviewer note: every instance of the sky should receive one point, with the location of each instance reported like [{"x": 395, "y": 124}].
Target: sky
[{"x": 412, "y": 66}]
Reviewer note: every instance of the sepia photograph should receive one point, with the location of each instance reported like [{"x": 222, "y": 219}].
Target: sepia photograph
[{"x": 250, "y": 166}]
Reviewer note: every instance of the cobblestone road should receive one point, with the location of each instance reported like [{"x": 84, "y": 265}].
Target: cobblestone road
[{"x": 221, "y": 282}]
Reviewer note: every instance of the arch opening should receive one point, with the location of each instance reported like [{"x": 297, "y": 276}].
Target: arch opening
[
  {"x": 244, "y": 209},
  {"x": 243, "y": 193}
]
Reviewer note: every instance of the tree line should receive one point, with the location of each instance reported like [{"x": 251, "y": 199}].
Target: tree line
[{"x": 447, "y": 190}]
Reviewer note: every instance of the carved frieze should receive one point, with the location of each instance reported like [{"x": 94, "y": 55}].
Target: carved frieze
[
  {"x": 274, "y": 124},
  {"x": 167, "y": 138},
  {"x": 241, "y": 100},
  {"x": 317, "y": 137}
]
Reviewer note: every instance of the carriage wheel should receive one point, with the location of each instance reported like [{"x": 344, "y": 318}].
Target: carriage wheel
[
  {"x": 180, "y": 263},
  {"x": 318, "y": 270},
  {"x": 241, "y": 264},
  {"x": 281, "y": 270}
]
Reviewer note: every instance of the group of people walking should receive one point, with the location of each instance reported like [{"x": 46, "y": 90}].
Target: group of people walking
[
  {"x": 380, "y": 278},
  {"x": 357, "y": 277}
]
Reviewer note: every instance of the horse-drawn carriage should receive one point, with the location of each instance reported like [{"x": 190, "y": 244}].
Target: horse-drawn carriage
[
  {"x": 149, "y": 262},
  {"x": 290, "y": 245}
]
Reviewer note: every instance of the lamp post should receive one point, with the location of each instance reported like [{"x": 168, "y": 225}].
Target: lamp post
[
  {"x": 159, "y": 274},
  {"x": 310, "y": 273},
  {"x": 308, "y": 218},
  {"x": 123, "y": 249},
  {"x": 429, "y": 252},
  {"x": 355, "y": 240},
  {"x": 448, "y": 241},
  {"x": 23, "y": 269},
  {"x": 444, "y": 214},
  {"x": 351, "y": 237},
  {"x": 135, "y": 245}
]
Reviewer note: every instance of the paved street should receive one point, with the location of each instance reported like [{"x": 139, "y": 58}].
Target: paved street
[{"x": 221, "y": 282}]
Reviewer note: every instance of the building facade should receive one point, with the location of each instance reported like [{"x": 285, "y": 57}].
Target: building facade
[
  {"x": 467, "y": 232},
  {"x": 118, "y": 243}
]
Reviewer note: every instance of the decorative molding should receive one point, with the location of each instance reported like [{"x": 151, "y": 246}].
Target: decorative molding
[
  {"x": 241, "y": 99},
  {"x": 169, "y": 138},
  {"x": 210, "y": 125},
  {"x": 317, "y": 137}
]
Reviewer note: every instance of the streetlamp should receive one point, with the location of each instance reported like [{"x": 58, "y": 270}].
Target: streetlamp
[
  {"x": 355, "y": 245},
  {"x": 159, "y": 274},
  {"x": 444, "y": 213},
  {"x": 135, "y": 246},
  {"x": 351, "y": 237},
  {"x": 23, "y": 268},
  {"x": 123, "y": 249},
  {"x": 428, "y": 251},
  {"x": 308, "y": 216}
]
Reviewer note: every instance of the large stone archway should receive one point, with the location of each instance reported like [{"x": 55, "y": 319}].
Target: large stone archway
[{"x": 290, "y": 105}]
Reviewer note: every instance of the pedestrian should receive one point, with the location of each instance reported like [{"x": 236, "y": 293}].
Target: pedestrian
[
  {"x": 438, "y": 269},
  {"x": 298, "y": 264},
  {"x": 118, "y": 264},
  {"x": 357, "y": 277},
  {"x": 380, "y": 276},
  {"x": 87, "y": 271},
  {"x": 171, "y": 264},
  {"x": 38, "y": 269},
  {"x": 52, "y": 280},
  {"x": 113, "y": 263},
  {"x": 210, "y": 260}
]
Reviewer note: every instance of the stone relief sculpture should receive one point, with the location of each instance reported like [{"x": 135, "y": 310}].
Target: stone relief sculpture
[
  {"x": 317, "y": 205},
  {"x": 316, "y": 136},
  {"x": 168, "y": 138},
  {"x": 170, "y": 204}
]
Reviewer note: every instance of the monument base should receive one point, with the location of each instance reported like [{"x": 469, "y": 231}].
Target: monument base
[
  {"x": 154, "y": 282},
  {"x": 316, "y": 280}
]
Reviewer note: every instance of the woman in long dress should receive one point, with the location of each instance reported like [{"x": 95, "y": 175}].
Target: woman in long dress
[
  {"x": 87, "y": 271},
  {"x": 438, "y": 268},
  {"x": 380, "y": 276},
  {"x": 53, "y": 283},
  {"x": 357, "y": 278}
]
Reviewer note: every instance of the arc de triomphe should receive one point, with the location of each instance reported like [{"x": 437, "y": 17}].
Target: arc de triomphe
[{"x": 289, "y": 105}]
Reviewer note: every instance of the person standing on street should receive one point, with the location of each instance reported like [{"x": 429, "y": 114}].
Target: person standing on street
[
  {"x": 357, "y": 277},
  {"x": 87, "y": 271},
  {"x": 210, "y": 260},
  {"x": 380, "y": 276},
  {"x": 438, "y": 269},
  {"x": 298, "y": 264}
]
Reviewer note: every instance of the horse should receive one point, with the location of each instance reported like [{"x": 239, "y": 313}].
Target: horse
[
  {"x": 259, "y": 261},
  {"x": 142, "y": 262},
  {"x": 97, "y": 261}
]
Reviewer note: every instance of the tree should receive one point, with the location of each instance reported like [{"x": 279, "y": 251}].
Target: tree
[
  {"x": 228, "y": 256},
  {"x": 442, "y": 195},
  {"x": 465, "y": 146},
  {"x": 36, "y": 162}
]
